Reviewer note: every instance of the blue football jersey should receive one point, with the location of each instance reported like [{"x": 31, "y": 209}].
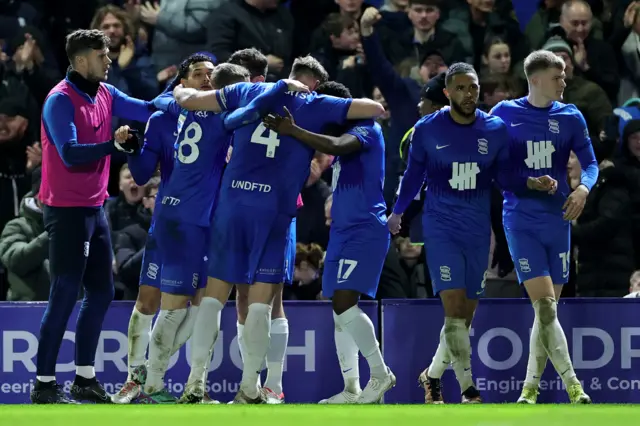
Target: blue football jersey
[
  {"x": 269, "y": 170},
  {"x": 358, "y": 179},
  {"x": 200, "y": 152},
  {"x": 159, "y": 139},
  {"x": 540, "y": 143},
  {"x": 460, "y": 163}
]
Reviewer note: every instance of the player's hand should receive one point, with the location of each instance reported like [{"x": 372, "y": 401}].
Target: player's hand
[
  {"x": 394, "y": 222},
  {"x": 575, "y": 203},
  {"x": 279, "y": 124},
  {"x": 296, "y": 86},
  {"x": 126, "y": 140},
  {"x": 543, "y": 183}
]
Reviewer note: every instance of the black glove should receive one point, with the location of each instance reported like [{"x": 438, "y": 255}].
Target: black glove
[{"x": 131, "y": 146}]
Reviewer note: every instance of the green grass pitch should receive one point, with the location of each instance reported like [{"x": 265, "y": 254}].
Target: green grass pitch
[{"x": 315, "y": 415}]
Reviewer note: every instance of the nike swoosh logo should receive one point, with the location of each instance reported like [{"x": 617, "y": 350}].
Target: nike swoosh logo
[
  {"x": 516, "y": 124},
  {"x": 440, "y": 147},
  {"x": 341, "y": 281},
  {"x": 347, "y": 370}
]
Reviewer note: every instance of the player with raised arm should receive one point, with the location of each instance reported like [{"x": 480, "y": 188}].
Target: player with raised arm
[
  {"x": 182, "y": 223},
  {"x": 358, "y": 243},
  {"x": 158, "y": 149},
  {"x": 257, "y": 202},
  {"x": 462, "y": 151},
  {"x": 257, "y": 65},
  {"x": 543, "y": 131}
]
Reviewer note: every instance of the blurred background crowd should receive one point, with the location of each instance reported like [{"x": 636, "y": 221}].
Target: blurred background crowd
[{"x": 388, "y": 56}]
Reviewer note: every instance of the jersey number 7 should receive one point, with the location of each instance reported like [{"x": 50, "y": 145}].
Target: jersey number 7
[{"x": 271, "y": 140}]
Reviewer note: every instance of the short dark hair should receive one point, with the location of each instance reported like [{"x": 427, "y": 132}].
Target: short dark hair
[
  {"x": 458, "y": 68},
  {"x": 252, "y": 59},
  {"x": 81, "y": 41},
  {"x": 226, "y": 74},
  {"x": 336, "y": 23},
  {"x": 183, "y": 68},
  {"x": 541, "y": 60},
  {"x": 333, "y": 88},
  {"x": 309, "y": 65}
]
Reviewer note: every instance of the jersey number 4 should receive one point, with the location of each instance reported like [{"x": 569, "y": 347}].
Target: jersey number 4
[
  {"x": 192, "y": 135},
  {"x": 271, "y": 141}
]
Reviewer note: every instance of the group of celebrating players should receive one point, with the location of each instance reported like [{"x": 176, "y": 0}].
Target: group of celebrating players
[{"x": 234, "y": 153}]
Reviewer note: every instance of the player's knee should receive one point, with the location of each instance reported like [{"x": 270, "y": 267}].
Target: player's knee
[
  {"x": 546, "y": 310},
  {"x": 343, "y": 300},
  {"x": 148, "y": 301}
]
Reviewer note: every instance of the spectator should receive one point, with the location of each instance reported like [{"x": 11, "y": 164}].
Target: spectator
[
  {"x": 626, "y": 42},
  {"x": 602, "y": 235},
  {"x": 132, "y": 70},
  {"x": 309, "y": 224},
  {"x": 263, "y": 24},
  {"x": 496, "y": 61},
  {"x": 307, "y": 275},
  {"x": 547, "y": 16},
  {"x": 340, "y": 53},
  {"x": 126, "y": 209},
  {"x": 180, "y": 28},
  {"x": 590, "y": 99},
  {"x": 24, "y": 250},
  {"x": 29, "y": 63},
  {"x": 592, "y": 57},
  {"x": 394, "y": 16},
  {"x": 476, "y": 22},
  {"x": 129, "y": 246},
  {"x": 425, "y": 35},
  {"x": 496, "y": 88},
  {"x": 14, "y": 139},
  {"x": 634, "y": 285},
  {"x": 628, "y": 159},
  {"x": 416, "y": 283}
]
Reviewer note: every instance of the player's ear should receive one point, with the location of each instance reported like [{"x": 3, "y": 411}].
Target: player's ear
[{"x": 446, "y": 93}]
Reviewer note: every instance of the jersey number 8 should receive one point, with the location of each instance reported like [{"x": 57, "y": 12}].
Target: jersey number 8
[
  {"x": 271, "y": 140},
  {"x": 192, "y": 135}
]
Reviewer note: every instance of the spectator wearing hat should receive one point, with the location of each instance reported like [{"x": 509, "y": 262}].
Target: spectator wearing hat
[
  {"x": 24, "y": 249},
  {"x": 587, "y": 96},
  {"x": 14, "y": 139}
]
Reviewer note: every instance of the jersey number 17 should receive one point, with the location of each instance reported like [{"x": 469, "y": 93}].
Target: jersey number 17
[{"x": 271, "y": 141}]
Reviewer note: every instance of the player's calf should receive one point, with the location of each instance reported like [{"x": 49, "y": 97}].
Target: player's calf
[
  {"x": 256, "y": 335},
  {"x": 173, "y": 311},
  {"x": 551, "y": 335},
  {"x": 456, "y": 337},
  {"x": 358, "y": 325},
  {"x": 147, "y": 304},
  {"x": 205, "y": 334}
]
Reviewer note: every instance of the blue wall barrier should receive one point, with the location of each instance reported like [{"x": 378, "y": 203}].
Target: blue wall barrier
[{"x": 603, "y": 335}]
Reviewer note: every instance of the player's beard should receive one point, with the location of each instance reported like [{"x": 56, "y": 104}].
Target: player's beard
[{"x": 460, "y": 110}]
